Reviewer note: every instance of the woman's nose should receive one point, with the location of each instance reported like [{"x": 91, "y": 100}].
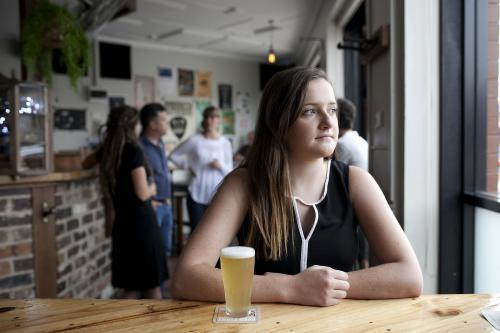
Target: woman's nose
[{"x": 327, "y": 120}]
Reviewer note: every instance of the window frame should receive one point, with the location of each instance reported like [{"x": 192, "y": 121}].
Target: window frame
[{"x": 463, "y": 116}]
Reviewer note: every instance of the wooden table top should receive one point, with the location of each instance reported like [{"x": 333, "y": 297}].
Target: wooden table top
[{"x": 428, "y": 313}]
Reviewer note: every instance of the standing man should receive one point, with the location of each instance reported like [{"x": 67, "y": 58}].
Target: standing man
[
  {"x": 352, "y": 149},
  {"x": 154, "y": 127}
]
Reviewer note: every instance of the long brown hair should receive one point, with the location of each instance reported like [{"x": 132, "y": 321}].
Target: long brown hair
[
  {"x": 118, "y": 130},
  {"x": 270, "y": 194}
]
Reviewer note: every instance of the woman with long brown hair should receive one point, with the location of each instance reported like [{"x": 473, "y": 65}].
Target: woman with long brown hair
[
  {"x": 138, "y": 262},
  {"x": 300, "y": 210}
]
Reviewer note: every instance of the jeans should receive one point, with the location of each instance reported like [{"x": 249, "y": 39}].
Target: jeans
[
  {"x": 165, "y": 222},
  {"x": 195, "y": 211}
]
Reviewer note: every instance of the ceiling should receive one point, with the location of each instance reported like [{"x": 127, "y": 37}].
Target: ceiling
[{"x": 239, "y": 28}]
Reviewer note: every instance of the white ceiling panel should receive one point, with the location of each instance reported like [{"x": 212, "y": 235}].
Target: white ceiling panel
[{"x": 224, "y": 26}]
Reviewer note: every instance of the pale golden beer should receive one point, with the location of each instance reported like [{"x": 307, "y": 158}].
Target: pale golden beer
[{"x": 237, "y": 264}]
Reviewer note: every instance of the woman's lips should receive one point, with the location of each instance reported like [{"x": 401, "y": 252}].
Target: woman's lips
[{"x": 324, "y": 137}]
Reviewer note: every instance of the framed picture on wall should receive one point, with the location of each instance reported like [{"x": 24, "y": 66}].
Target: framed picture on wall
[
  {"x": 186, "y": 82},
  {"x": 116, "y": 101},
  {"x": 144, "y": 89},
  {"x": 166, "y": 83},
  {"x": 228, "y": 125},
  {"x": 204, "y": 84},
  {"x": 181, "y": 120},
  {"x": 225, "y": 96},
  {"x": 70, "y": 119}
]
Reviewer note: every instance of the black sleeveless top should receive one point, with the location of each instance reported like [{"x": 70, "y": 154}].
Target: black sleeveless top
[{"x": 332, "y": 240}]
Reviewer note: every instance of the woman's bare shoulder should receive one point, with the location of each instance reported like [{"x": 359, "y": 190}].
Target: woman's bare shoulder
[
  {"x": 238, "y": 176},
  {"x": 237, "y": 179}
]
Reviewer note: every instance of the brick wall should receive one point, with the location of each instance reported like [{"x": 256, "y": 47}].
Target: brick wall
[
  {"x": 84, "y": 263},
  {"x": 493, "y": 133},
  {"x": 83, "y": 251},
  {"x": 16, "y": 251}
]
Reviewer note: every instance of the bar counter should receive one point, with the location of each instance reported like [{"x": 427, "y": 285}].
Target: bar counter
[
  {"x": 428, "y": 313},
  {"x": 54, "y": 177},
  {"x": 52, "y": 236}
]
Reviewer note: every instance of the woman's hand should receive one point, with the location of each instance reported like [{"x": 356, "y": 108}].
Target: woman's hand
[
  {"x": 319, "y": 285},
  {"x": 215, "y": 164}
]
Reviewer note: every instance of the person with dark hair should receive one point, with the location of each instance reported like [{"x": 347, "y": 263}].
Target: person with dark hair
[
  {"x": 208, "y": 156},
  {"x": 352, "y": 149},
  {"x": 243, "y": 151},
  {"x": 138, "y": 262},
  {"x": 154, "y": 127},
  {"x": 300, "y": 210}
]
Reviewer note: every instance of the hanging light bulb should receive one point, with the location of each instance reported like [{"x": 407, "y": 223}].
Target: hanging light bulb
[{"x": 271, "y": 56}]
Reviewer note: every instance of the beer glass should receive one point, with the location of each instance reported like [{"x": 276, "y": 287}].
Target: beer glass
[{"x": 237, "y": 264}]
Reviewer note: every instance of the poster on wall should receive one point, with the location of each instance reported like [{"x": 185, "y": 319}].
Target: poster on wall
[
  {"x": 243, "y": 123},
  {"x": 70, "y": 119},
  {"x": 200, "y": 106},
  {"x": 165, "y": 83},
  {"x": 186, "y": 82},
  {"x": 203, "y": 84},
  {"x": 242, "y": 105},
  {"x": 144, "y": 87},
  {"x": 181, "y": 120},
  {"x": 228, "y": 122},
  {"x": 225, "y": 96},
  {"x": 116, "y": 101}
]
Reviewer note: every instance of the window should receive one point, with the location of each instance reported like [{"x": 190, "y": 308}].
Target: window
[{"x": 469, "y": 256}]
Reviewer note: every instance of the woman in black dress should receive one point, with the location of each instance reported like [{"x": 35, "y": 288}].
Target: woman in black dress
[
  {"x": 138, "y": 262},
  {"x": 300, "y": 210}
]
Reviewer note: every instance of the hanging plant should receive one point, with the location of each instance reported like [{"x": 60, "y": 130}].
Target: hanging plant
[{"x": 51, "y": 26}]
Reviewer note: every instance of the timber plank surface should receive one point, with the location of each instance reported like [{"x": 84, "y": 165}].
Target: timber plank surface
[{"x": 428, "y": 313}]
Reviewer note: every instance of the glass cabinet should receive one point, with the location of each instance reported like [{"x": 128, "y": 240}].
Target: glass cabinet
[{"x": 25, "y": 128}]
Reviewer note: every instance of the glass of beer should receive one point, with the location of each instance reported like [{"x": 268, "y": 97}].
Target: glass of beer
[{"x": 237, "y": 264}]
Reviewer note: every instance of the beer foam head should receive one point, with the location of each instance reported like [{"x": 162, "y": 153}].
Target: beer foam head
[{"x": 237, "y": 252}]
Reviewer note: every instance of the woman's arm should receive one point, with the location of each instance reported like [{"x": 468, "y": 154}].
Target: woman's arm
[
  {"x": 227, "y": 162},
  {"x": 399, "y": 274},
  {"x": 196, "y": 277},
  {"x": 142, "y": 189},
  {"x": 179, "y": 154}
]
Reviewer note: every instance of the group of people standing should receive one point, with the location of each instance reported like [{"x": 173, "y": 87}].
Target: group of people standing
[
  {"x": 135, "y": 175},
  {"x": 290, "y": 198}
]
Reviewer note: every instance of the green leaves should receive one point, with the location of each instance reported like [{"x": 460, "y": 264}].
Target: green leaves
[{"x": 50, "y": 26}]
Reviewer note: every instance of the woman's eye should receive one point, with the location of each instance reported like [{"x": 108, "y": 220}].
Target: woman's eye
[
  {"x": 333, "y": 110},
  {"x": 307, "y": 112}
]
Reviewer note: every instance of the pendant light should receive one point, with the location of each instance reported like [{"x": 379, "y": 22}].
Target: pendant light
[{"x": 271, "y": 56}]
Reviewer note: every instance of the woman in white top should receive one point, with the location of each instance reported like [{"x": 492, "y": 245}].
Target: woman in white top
[{"x": 208, "y": 156}]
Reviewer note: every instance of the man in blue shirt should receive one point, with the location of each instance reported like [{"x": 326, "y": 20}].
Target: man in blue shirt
[{"x": 154, "y": 127}]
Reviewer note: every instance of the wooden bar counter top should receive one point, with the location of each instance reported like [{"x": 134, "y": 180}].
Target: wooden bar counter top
[{"x": 428, "y": 313}]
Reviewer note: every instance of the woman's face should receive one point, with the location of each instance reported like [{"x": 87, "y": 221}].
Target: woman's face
[
  {"x": 213, "y": 121},
  {"x": 314, "y": 134}
]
